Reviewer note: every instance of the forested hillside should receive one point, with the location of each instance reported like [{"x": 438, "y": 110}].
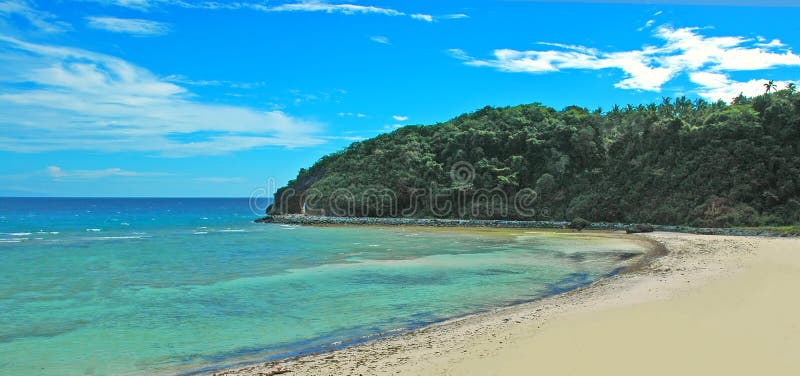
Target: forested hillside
[{"x": 676, "y": 162}]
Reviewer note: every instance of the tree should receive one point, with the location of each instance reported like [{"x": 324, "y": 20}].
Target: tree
[
  {"x": 634, "y": 164},
  {"x": 770, "y": 85},
  {"x": 792, "y": 87}
]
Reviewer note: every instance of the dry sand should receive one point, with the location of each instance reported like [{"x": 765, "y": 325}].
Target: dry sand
[{"x": 712, "y": 305}]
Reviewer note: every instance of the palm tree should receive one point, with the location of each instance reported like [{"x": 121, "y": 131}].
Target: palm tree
[
  {"x": 770, "y": 85},
  {"x": 791, "y": 87}
]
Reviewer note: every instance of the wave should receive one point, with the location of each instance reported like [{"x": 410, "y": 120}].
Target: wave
[
  {"x": 200, "y": 232},
  {"x": 117, "y": 237},
  {"x": 233, "y": 230},
  {"x": 93, "y": 230},
  {"x": 20, "y": 234}
]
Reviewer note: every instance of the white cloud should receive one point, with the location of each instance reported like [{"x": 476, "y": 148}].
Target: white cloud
[
  {"x": 399, "y": 117},
  {"x": 133, "y": 26},
  {"x": 683, "y": 50},
  {"x": 390, "y": 128},
  {"x": 180, "y": 79},
  {"x": 346, "y": 138},
  {"x": 299, "y": 6},
  {"x": 770, "y": 44},
  {"x": 59, "y": 173},
  {"x": 352, "y": 114},
  {"x": 455, "y": 16},
  {"x": 422, "y": 17},
  {"x": 380, "y": 39},
  {"x": 42, "y": 21},
  {"x": 458, "y": 54},
  {"x": 319, "y": 6},
  {"x": 647, "y": 25},
  {"x": 146, "y": 5},
  {"x": 716, "y": 86},
  {"x": 61, "y": 98}
]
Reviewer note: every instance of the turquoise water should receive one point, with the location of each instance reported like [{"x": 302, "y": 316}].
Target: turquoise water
[{"x": 142, "y": 286}]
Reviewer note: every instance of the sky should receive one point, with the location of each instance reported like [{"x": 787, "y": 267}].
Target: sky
[{"x": 179, "y": 98}]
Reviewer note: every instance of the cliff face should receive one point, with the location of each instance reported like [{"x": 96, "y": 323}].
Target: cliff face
[
  {"x": 682, "y": 162},
  {"x": 290, "y": 199}
]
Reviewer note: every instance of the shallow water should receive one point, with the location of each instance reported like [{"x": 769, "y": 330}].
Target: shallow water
[{"x": 144, "y": 286}]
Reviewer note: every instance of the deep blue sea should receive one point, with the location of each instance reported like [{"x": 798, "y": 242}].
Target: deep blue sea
[{"x": 166, "y": 286}]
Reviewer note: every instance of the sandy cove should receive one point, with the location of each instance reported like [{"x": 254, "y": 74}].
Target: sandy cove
[{"x": 710, "y": 305}]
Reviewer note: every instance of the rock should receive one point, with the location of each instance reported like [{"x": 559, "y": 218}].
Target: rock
[{"x": 639, "y": 228}]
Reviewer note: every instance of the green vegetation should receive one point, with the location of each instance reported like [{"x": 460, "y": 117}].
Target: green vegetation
[{"x": 678, "y": 162}]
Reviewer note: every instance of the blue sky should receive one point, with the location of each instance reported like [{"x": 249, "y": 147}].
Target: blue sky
[{"x": 184, "y": 98}]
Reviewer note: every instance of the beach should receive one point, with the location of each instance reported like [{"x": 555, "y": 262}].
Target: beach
[{"x": 707, "y": 305}]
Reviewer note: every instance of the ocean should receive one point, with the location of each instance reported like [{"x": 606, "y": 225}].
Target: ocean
[{"x": 174, "y": 286}]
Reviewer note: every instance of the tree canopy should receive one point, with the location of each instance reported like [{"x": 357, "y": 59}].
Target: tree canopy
[{"x": 681, "y": 161}]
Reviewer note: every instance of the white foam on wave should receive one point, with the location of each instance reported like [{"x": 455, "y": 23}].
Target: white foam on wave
[
  {"x": 125, "y": 224},
  {"x": 233, "y": 230},
  {"x": 200, "y": 232},
  {"x": 10, "y": 240},
  {"x": 20, "y": 233},
  {"x": 93, "y": 230},
  {"x": 116, "y": 237}
]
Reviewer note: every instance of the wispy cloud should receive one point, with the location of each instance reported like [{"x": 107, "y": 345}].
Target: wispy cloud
[
  {"x": 133, "y": 4},
  {"x": 347, "y": 138},
  {"x": 62, "y": 98},
  {"x": 380, "y": 39},
  {"x": 319, "y": 6},
  {"x": 302, "y": 97},
  {"x": 299, "y": 6},
  {"x": 422, "y": 17},
  {"x": 41, "y": 20},
  {"x": 352, "y": 114},
  {"x": 59, "y": 173},
  {"x": 183, "y": 80},
  {"x": 647, "y": 25},
  {"x": 133, "y": 26},
  {"x": 683, "y": 51},
  {"x": 455, "y": 16},
  {"x": 399, "y": 117}
]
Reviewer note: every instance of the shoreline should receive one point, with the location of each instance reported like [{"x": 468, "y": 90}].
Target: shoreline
[
  {"x": 312, "y": 220},
  {"x": 691, "y": 262},
  {"x": 654, "y": 250}
]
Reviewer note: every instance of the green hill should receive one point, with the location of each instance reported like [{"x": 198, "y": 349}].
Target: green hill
[{"x": 678, "y": 162}]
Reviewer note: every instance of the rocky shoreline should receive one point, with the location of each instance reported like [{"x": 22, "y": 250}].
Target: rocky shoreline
[{"x": 296, "y": 219}]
